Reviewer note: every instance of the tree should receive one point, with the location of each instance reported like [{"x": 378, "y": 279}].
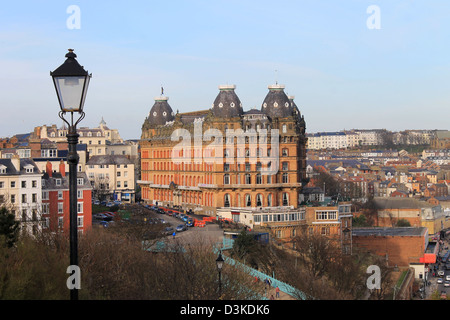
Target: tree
[
  {"x": 403, "y": 223},
  {"x": 9, "y": 227}
]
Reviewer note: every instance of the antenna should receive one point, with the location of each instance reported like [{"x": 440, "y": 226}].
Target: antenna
[
  {"x": 162, "y": 90},
  {"x": 276, "y": 76}
]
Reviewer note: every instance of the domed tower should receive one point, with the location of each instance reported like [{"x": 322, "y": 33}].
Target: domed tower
[
  {"x": 227, "y": 103},
  {"x": 277, "y": 104},
  {"x": 161, "y": 112}
]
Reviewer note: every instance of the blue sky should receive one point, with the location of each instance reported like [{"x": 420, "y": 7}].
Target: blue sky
[{"x": 343, "y": 74}]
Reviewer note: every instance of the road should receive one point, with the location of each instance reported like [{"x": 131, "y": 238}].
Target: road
[{"x": 434, "y": 285}]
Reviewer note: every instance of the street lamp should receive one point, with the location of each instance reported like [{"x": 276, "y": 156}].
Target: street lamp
[
  {"x": 71, "y": 84},
  {"x": 219, "y": 264}
]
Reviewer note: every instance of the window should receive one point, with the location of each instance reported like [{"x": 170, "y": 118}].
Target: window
[
  {"x": 60, "y": 222},
  {"x": 79, "y": 207},
  {"x": 259, "y": 200},
  {"x": 24, "y": 198},
  {"x": 118, "y": 184},
  {"x": 248, "y": 179},
  {"x": 118, "y": 173},
  {"x": 285, "y": 166},
  {"x": 60, "y": 207},
  {"x": 125, "y": 184},
  {"x": 45, "y": 208},
  {"x": 24, "y": 184},
  {"x": 13, "y": 184},
  {"x": 285, "y": 198},
  {"x": 80, "y": 222},
  {"x": 58, "y": 182},
  {"x": 34, "y": 184},
  {"x": 80, "y": 194},
  {"x": 284, "y": 152},
  {"x": 269, "y": 200},
  {"x": 248, "y": 200},
  {"x": 258, "y": 178},
  {"x": 60, "y": 194},
  {"x": 80, "y": 181},
  {"x": 285, "y": 178},
  {"x": 226, "y": 201},
  {"x": 13, "y": 198},
  {"x": 34, "y": 198},
  {"x": 226, "y": 179},
  {"x": 284, "y": 128}
]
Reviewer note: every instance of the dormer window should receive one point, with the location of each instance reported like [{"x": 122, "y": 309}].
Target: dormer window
[
  {"x": 29, "y": 169},
  {"x": 58, "y": 182},
  {"x": 2, "y": 169}
]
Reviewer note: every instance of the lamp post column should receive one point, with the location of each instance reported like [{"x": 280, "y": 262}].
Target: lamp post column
[{"x": 72, "y": 159}]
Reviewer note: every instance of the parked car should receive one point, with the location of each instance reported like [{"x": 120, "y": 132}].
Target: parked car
[
  {"x": 447, "y": 277},
  {"x": 446, "y": 283},
  {"x": 168, "y": 230},
  {"x": 169, "y": 213},
  {"x": 440, "y": 280},
  {"x": 190, "y": 222},
  {"x": 441, "y": 273},
  {"x": 181, "y": 216},
  {"x": 181, "y": 227},
  {"x": 104, "y": 224},
  {"x": 101, "y": 216},
  {"x": 443, "y": 295}
]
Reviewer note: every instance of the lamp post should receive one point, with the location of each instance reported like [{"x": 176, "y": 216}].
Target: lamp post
[
  {"x": 71, "y": 84},
  {"x": 219, "y": 264}
]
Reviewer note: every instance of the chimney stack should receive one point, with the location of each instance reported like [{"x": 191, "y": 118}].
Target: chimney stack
[
  {"x": 48, "y": 168},
  {"x": 15, "y": 160},
  {"x": 62, "y": 168}
]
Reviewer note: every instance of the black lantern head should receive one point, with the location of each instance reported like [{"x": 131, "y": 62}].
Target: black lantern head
[{"x": 71, "y": 83}]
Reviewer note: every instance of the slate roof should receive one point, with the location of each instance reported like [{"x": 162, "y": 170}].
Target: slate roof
[
  {"x": 276, "y": 103},
  {"x": 109, "y": 159},
  {"x": 227, "y": 104},
  {"x": 161, "y": 112}
]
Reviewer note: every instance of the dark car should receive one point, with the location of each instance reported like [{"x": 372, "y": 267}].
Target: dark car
[
  {"x": 101, "y": 216},
  {"x": 181, "y": 227},
  {"x": 168, "y": 230}
]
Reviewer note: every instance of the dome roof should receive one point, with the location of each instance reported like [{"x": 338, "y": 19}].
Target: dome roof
[
  {"x": 161, "y": 112},
  {"x": 227, "y": 103},
  {"x": 277, "y": 104}
]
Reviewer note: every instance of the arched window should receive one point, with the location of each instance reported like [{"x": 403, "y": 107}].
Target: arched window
[
  {"x": 227, "y": 201},
  {"x": 259, "y": 200},
  {"x": 269, "y": 200},
  {"x": 285, "y": 199},
  {"x": 248, "y": 200}
]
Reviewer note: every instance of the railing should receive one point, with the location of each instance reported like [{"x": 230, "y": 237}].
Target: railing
[{"x": 284, "y": 287}]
